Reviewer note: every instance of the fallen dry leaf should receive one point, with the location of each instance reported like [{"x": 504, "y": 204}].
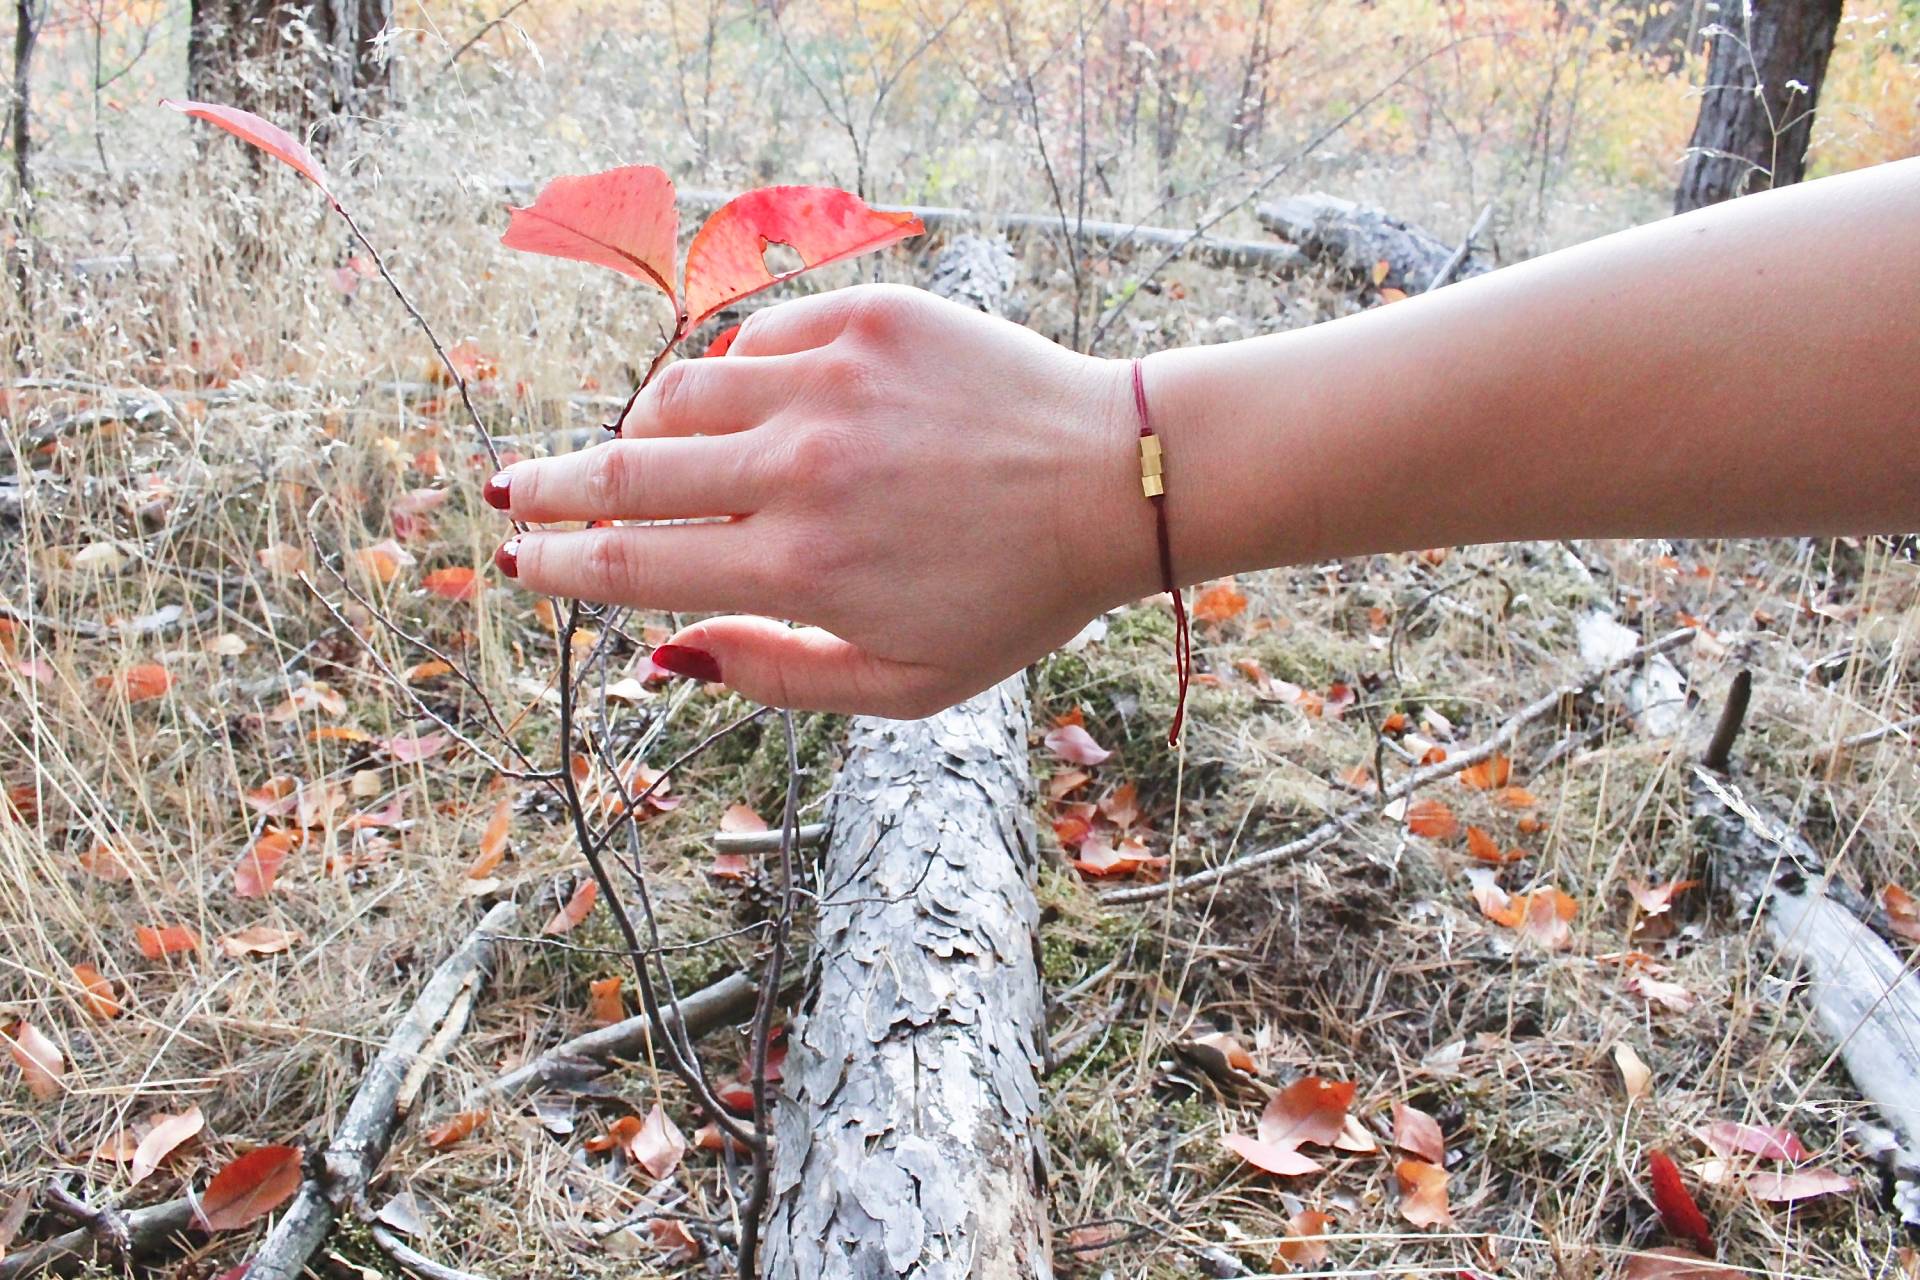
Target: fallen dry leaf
[
  {"x": 1635, "y": 1075},
  {"x": 1768, "y": 1141},
  {"x": 1676, "y": 1264},
  {"x": 671, "y": 1235},
  {"x": 1903, "y": 915},
  {"x": 1786, "y": 1186},
  {"x": 605, "y": 1004},
  {"x": 1304, "y": 1246},
  {"x": 1432, "y": 819},
  {"x": 454, "y": 1128},
  {"x": 257, "y": 940},
  {"x": 1074, "y": 743},
  {"x": 1668, "y": 995},
  {"x": 458, "y": 583},
  {"x": 739, "y": 817},
  {"x": 1423, "y": 1193},
  {"x": 1488, "y": 775},
  {"x": 96, "y": 993},
  {"x": 157, "y": 941},
  {"x": 39, "y": 1059},
  {"x": 250, "y": 1188},
  {"x": 1219, "y": 602},
  {"x": 1418, "y": 1134},
  {"x": 166, "y": 1136},
  {"x": 577, "y": 908},
  {"x": 658, "y": 1146}
]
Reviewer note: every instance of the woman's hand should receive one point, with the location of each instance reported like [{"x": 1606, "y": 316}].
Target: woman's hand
[{"x": 938, "y": 496}]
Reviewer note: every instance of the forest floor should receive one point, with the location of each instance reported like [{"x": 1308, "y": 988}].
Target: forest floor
[{"x": 241, "y": 506}]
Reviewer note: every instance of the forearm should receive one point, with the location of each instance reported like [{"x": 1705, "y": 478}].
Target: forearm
[{"x": 1753, "y": 368}]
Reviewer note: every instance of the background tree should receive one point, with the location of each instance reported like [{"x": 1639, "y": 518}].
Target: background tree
[
  {"x": 1756, "y": 114},
  {"x": 302, "y": 62}
]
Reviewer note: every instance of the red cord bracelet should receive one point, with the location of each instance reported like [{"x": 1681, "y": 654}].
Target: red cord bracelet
[{"x": 1153, "y": 485}]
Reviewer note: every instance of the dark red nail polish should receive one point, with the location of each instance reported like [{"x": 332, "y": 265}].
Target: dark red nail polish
[
  {"x": 496, "y": 492},
  {"x": 507, "y": 558},
  {"x": 685, "y": 660}
]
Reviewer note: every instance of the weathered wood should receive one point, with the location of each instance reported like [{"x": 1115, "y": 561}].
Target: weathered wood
[
  {"x": 1862, "y": 996},
  {"x": 587, "y": 1056},
  {"x": 361, "y": 1141},
  {"x": 148, "y": 1229},
  {"x": 1354, "y": 238},
  {"x": 906, "y": 1134}
]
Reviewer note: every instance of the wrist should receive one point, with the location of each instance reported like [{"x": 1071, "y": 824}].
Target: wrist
[{"x": 1110, "y": 520}]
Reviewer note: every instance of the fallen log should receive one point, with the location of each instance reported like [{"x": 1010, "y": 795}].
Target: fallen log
[
  {"x": 906, "y": 1131},
  {"x": 586, "y": 1056},
  {"x": 361, "y": 1141},
  {"x": 1863, "y": 997},
  {"x": 1355, "y": 238}
]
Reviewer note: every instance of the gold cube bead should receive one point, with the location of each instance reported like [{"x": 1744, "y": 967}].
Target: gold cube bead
[{"x": 1153, "y": 486}]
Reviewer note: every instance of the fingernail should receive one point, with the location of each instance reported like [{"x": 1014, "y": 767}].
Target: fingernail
[
  {"x": 507, "y": 558},
  {"x": 496, "y": 492},
  {"x": 685, "y": 660}
]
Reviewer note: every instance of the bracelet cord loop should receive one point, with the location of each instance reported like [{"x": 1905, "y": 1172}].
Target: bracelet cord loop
[{"x": 1153, "y": 484}]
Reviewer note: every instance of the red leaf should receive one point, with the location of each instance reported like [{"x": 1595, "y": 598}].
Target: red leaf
[
  {"x": 249, "y": 1188},
  {"x": 722, "y": 341},
  {"x": 264, "y": 134},
  {"x": 578, "y": 906},
  {"x": 726, "y": 260},
  {"x": 622, "y": 218},
  {"x": 1489, "y": 775},
  {"x": 1768, "y": 1141},
  {"x": 1071, "y": 742},
  {"x": 1675, "y": 1203},
  {"x": 1432, "y": 819}
]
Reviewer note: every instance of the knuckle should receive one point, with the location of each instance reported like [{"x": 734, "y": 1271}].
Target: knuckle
[
  {"x": 672, "y": 390},
  {"x": 878, "y": 312},
  {"x": 612, "y": 562},
  {"x": 610, "y": 475}
]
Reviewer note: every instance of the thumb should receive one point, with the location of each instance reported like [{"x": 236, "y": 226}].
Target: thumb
[{"x": 800, "y": 668}]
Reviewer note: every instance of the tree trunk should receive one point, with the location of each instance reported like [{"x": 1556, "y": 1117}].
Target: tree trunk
[
  {"x": 300, "y": 63},
  {"x": 26, "y": 31},
  {"x": 907, "y": 1134},
  {"x": 1756, "y": 113}
]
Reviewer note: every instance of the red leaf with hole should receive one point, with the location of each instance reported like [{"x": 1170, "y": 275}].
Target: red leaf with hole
[
  {"x": 1675, "y": 1203},
  {"x": 726, "y": 261},
  {"x": 622, "y": 218},
  {"x": 250, "y": 1188},
  {"x": 264, "y": 134}
]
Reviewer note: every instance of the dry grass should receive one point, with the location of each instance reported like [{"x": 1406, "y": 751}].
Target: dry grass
[{"x": 291, "y": 415}]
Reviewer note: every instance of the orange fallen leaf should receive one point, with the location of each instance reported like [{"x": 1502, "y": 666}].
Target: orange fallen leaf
[
  {"x": 1285, "y": 1161},
  {"x": 605, "y": 1004},
  {"x": 250, "y": 1187},
  {"x": 1483, "y": 847},
  {"x": 458, "y": 583},
  {"x": 454, "y": 1128},
  {"x": 567, "y": 918},
  {"x": 1668, "y": 995},
  {"x": 1418, "y": 1134},
  {"x": 1676, "y": 1264},
  {"x": 1515, "y": 798},
  {"x": 1489, "y": 774},
  {"x": 618, "y": 1134},
  {"x": 1423, "y": 1193},
  {"x": 96, "y": 993},
  {"x": 1432, "y": 819},
  {"x": 157, "y": 941},
  {"x": 39, "y": 1059},
  {"x": 671, "y": 1235},
  {"x": 730, "y": 866},
  {"x": 1304, "y": 1246},
  {"x": 1219, "y": 602},
  {"x": 259, "y": 867},
  {"x": 493, "y": 842},
  {"x": 1903, "y": 915},
  {"x": 109, "y": 862},
  {"x": 430, "y": 670},
  {"x": 141, "y": 683}
]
